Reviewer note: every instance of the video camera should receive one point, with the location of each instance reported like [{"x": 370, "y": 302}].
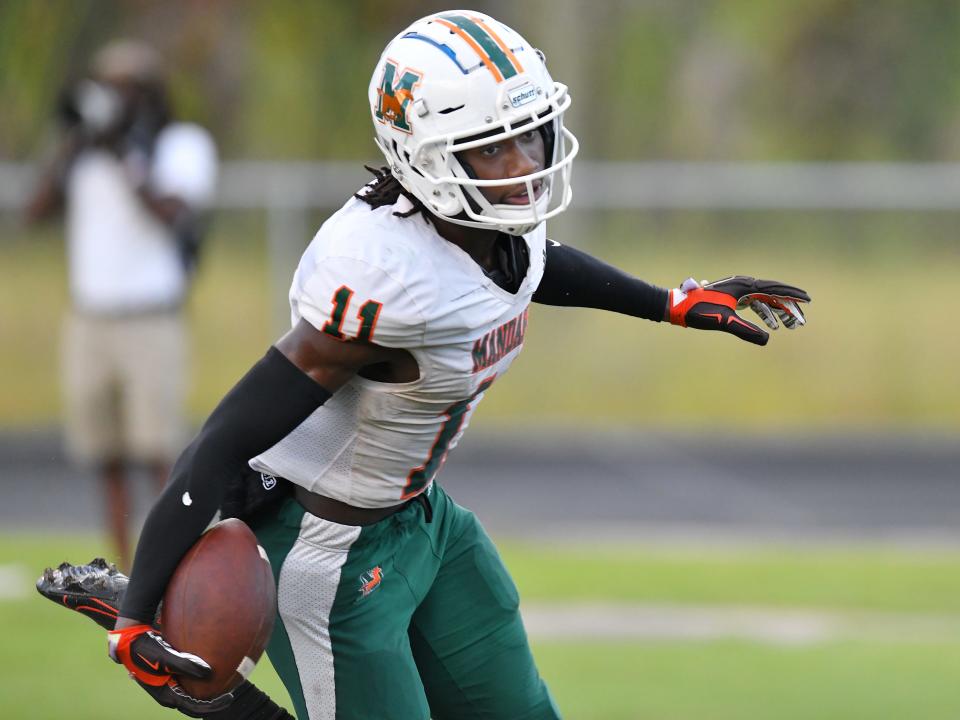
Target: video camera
[{"x": 90, "y": 106}]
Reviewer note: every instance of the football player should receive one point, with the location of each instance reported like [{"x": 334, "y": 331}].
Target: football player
[{"x": 407, "y": 307}]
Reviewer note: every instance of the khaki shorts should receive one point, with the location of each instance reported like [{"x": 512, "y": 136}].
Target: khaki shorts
[{"x": 124, "y": 381}]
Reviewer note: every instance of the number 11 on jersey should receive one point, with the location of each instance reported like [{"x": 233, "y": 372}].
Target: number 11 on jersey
[{"x": 368, "y": 314}]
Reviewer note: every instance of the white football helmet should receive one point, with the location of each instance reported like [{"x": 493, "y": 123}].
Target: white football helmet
[{"x": 457, "y": 80}]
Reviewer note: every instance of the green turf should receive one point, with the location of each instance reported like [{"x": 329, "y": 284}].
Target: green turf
[
  {"x": 743, "y": 681},
  {"x": 875, "y": 354},
  {"x": 869, "y": 579},
  {"x": 53, "y": 663}
]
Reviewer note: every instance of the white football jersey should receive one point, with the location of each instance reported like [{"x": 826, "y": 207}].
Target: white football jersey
[{"x": 396, "y": 282}]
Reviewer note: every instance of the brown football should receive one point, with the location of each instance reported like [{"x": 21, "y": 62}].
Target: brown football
[{"x": 220, "y": 605}]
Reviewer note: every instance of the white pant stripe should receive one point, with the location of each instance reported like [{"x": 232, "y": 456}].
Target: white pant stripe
[{"x": 308, "y": 586}]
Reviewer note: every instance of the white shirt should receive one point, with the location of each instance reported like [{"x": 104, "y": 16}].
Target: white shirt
[
  {"x": 400, "y": 284},
  {"x": 122, "y": 259}
]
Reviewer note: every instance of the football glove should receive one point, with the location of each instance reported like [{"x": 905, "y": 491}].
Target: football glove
[
  {"x": 153, "y": 663},
  {"x": 173, "y": 696},
  {"x": 713, "y": 306},
  {"x": 96, "y": 590}
]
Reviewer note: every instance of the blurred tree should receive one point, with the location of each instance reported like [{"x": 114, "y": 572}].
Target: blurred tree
[
  {"x": 864, "y": 78},
  {"x": 652, "y": 79},
  {"x": 36, "y": 44}
]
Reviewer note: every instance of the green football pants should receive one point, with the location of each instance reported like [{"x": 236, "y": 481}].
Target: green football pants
[{"x": 403, "y": 620}]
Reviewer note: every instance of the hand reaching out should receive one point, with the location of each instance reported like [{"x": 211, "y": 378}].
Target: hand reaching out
[{"x": 713, "y": 306}]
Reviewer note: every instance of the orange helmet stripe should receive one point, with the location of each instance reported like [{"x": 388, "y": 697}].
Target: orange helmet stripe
[
  {"x": 491, "y": 66},
  {"x": 496, "y": 38}
]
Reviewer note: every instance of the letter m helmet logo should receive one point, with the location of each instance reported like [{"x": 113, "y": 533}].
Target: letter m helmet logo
[{"x": 395, "y": 95}]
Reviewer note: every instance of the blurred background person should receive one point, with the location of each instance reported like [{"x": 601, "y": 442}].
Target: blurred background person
[{"x": 134, "y": 184}]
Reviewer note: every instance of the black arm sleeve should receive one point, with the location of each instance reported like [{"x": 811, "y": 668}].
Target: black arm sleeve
[
  {"x": 572, "y": 278},
  {"x": 272, "y": 399}
]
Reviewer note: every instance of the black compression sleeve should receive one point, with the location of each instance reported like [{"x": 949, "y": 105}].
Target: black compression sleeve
[
  {"x": 272, "y": 399},
  {"x": 572, "y": 278}
]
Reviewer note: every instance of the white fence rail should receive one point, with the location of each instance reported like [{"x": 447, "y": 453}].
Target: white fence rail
[{"x": 288, "y": 191}]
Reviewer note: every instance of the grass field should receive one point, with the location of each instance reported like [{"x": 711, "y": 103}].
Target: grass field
[
  {"x": 874, "y": 356},
  {"x": 53, "y": 663}
]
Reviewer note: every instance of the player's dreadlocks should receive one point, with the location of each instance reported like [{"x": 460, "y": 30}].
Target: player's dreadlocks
[{"x": 386, "y": 189}]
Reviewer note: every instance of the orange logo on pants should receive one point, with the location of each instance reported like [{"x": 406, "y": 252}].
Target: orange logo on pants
[{"x": 370, "y": 580}]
